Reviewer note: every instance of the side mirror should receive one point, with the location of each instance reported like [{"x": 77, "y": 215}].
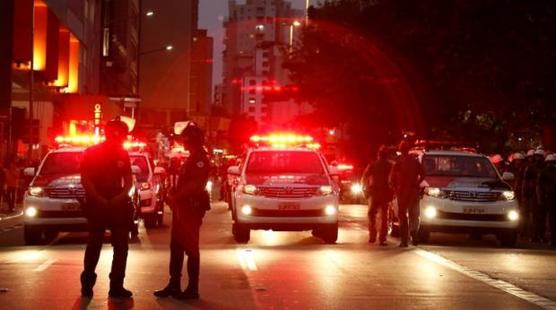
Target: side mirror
[
  {"x": 334, "y": 171},
  {"x": 508, "y": 176},
  {"x": 159, "y": 170},
  {"x": 234, "y": 170},
  {"x": 29, "y": 172},
  {"x": 135, "y": 169}
]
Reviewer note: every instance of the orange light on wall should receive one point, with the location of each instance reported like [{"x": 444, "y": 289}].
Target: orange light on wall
[
  {"x": 39, "y": 36},
  {"x": 73, "y": 82},
  {"x": 63, "y": 59}
]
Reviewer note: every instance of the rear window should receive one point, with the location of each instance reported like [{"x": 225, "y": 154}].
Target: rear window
[
  {"x": 284, "y": 162},
  {"x": 64, "y": 163}
]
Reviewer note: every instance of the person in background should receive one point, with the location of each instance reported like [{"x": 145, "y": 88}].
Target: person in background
[
  {"x": 529, "y": 194},
  {"x": 11, "y": 173},
  {"x": 546, "y": 191},
  {"x": 407, "y": 176},
  {"x": 379, "y": 193}
]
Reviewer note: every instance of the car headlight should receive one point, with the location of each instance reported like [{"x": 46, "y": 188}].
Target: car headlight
[
  {"x": 250, "y": 189},
  {"x": 513, "y": 215},
  {"x": 31, "y": 212},
  {"x": 330, "y": 210},
  {"x": 507, "y": 195},
  {"x": 36, "y": 191},
  {"x": 435, "y": 192},
  {"x": 326, "y": 190},
  {"x": 430, "y": 212},
  {"x": 246, "y": 210},
  {"x": 208, "y": 187},
  {"x": 356, "y": 189}
]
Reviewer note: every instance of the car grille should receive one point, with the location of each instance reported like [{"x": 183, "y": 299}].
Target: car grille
[
  {"x": 287, "y": 192},
  {"x": 472, "y": 217},
  {"x": 287, "y": 213},
  {"x": 65, "y": 193},
  {"x": 473, "y": 196}
]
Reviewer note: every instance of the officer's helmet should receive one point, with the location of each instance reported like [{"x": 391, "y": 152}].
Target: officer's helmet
[
  {"x": 116, "y": 130},
  {"x": 193, "y": 135}
]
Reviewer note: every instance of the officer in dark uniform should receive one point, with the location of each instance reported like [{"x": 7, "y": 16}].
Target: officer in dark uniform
[
  {"x": 188, "y": 202},
  {"x": 107, "y": 179}
]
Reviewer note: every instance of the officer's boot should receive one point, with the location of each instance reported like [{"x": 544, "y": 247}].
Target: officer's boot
[
  {"x": 191, "y": 292},
  {"x": 172, "y": 289},
  {"x": 117, "y": 290},
  {"x": 87, "y": 283}
]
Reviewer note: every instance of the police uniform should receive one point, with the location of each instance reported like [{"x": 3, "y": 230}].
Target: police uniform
[
  {"x": 192, "y": 201},
  {"x": 105, "y": 167}
]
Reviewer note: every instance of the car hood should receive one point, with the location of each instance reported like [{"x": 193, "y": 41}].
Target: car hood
[
  {"x": 283, "y": 179},
  {"x": 57, "y": 180},
  {"x": 450, "y": 182}
]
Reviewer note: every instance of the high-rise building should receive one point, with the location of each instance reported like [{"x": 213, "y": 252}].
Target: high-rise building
[
  {"x": 201, "y": 73},
  {"x": 165, "y": 73},
  {"x": 259, "y": 34}
]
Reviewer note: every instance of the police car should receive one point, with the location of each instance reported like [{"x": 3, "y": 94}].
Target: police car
[
  {"x": 465, "y": 193},
  {"x": 284, "y": 184},
  {"x": 148, "y": 183}
]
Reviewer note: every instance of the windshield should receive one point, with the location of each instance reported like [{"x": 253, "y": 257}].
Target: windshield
[
  {"x": 141, "y": 162},
  {"x": 458, "y": 166},
  {"x": 284, "y": 162},
  {"x": 66, "y": 163}
]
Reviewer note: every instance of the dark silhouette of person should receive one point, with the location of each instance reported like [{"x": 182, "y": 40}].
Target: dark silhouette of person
[{"x": 107, "y": 179}]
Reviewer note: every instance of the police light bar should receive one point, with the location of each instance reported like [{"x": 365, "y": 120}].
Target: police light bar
[
  {"x": 80, "y": 140},
  {"x": 285, "y": 140},
  {"x": 344, "y": 167}
]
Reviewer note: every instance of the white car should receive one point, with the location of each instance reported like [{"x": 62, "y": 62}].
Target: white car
[
  {"x": 51, "y": 203},
  {"x": 149, "y": 189},
  {"x": 465, "y": 193},
  {"x": 286, "y": 190}
]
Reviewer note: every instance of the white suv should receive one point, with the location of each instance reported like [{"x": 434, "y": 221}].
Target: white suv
[
  {"x": 465, "y": 193},
  {"x": 284, "y": 189},
  {"x": 149, "y": 189}
]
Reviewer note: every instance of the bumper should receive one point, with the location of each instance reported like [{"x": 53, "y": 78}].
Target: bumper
[
  {"x": 308, "y": 213},
  {"x": 468, "y": 216},
  {"x": 52, "y": 215}
]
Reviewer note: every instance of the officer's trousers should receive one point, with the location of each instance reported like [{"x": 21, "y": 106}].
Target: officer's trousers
[
  {"x": 408, "y": 215},
  {"x": 185, "y": 241},
  {"x": 374, "y": 208},
  {"x": 119, "y": 239}
]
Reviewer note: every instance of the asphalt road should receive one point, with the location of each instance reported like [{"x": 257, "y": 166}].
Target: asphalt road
[{"x": 287, "y": 270}]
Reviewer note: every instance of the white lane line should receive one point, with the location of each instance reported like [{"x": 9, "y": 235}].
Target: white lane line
[
  {"x": 45, "y": 265},
  {"x": 247, "y": 259},
  {"x": 502, "y": 285}
]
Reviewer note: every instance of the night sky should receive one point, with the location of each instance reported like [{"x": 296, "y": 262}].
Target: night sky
[{"x": 212, "y": 13}]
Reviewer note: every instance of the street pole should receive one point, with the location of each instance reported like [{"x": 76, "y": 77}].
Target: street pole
[{"x": 31, "y": 88}]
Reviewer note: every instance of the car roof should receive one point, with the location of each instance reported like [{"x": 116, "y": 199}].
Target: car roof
[{"x": 452, "y": 153}]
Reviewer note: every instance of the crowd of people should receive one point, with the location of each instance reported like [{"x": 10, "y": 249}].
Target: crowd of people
[{"x": 535, "y": 187}]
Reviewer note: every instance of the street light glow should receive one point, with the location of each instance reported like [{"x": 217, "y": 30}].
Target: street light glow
[
  {"x": 296, "y": 23},
  {"x": 169, "y": 47},
  {"x": 149, "y": 13}
]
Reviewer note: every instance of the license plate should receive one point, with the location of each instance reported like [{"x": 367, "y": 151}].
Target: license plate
[
  {"x": 288, "y": 206},
  {"x": 71, "y": 207},
  {"x": 473, "y": 210}
]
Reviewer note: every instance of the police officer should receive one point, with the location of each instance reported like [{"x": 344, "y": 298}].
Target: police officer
[
  {"x": 189, "y": 202},
  {"x": 379, "y": 193},
  {"x": 107, "y": 179},
  {"x": 546, "y": 190},
  {"x": 407, "y": 176},
  {"x": 529, "y": 194}
]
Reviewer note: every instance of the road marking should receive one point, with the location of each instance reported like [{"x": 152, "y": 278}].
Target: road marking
[
  {"x": 502, "y": 285},
  {"x": 45, "y": 265},
  {"x": 246, "y": 259}
]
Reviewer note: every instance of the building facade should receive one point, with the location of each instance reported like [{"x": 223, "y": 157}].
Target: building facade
[
  {"x": 259, "y": 36},
  {"x": 200, "y": 95}
]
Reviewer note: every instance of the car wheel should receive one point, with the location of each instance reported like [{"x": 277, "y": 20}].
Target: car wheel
[
  {"x": 241, "y": 233},
  {"x": 32, "y": 235},
  {"x": 508, "y": 239},
  {"x": 330, "y": 234},
  {"x": 149, "y": 220}
]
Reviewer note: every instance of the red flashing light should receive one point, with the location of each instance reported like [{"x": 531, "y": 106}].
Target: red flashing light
[
  {"x": 283, "y": 140},
  {"x": 344, "y": 167}
]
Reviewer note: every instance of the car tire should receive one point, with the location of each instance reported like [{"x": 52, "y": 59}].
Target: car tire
[
  {"x": 508, "y": 239},
  {"x": 241, "y": 233},
  {"x": 330, "y": 234},
  {"x": 149, "y": 220},
  {"x": 32, "y": 235}
]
